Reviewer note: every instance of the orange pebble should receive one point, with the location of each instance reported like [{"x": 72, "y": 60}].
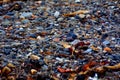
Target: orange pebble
[{"x": 107, "y": 49}]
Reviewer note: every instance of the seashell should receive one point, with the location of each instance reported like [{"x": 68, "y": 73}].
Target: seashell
[
  {"x": 34, "y": 57},
  {"x": 33, "y": 71}
]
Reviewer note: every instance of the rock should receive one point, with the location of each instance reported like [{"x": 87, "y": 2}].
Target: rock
[
  {"x": 60, "y": 19},
  {"x": 6, "y": 22},
  {"x": 7, "y": 51},
  {"x": 25, "y": 21},
  {"x": 10, "y": 13},
  {"x": 93, "y": 78},
  {"x": 75, "y": 42},
  {"x": 82, "y": 15},
  {"x": 26, "y": 14},
  {"x": 60, "y": 59},
  {"x": 16, "y": 44},
  {"x": 10, "y": 65},
  {"x": 11, "y": 78},
  {"x": 88, "y": 51},
  {"x": 6, "y": 70},
  {"x": 107, "y": 49},
  {"x": 56, "y": 39},
  {"x": 2, "y": 32},
  {"x": 32, "y": 35},
  {"x": 56, "y": 14},
  {"x": 45, "y": 67},
  {"x": 77, "y": 1},
  {"x": 106, "y": 42},
  {"x": 80, "y": 77}
]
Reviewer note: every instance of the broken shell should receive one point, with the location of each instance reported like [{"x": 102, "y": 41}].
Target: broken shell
[
  {"x": 34, "y": 57},
  {"x": 33, "y": 71}
]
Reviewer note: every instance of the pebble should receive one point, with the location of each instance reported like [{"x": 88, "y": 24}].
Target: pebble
[
  {"x": 2, "y": 32},
  {"x": 10, "y": 65},
  {"x": 56, "y": 14},
  {"x": 25, "y": 14},
  {"x": 60, "y": 19},
  {"x": 25, "y": 21},
  {"x": 106, "y": 42},
  {"x": 77, "y": 1},
  {"x": 37, "y": 38},
  {"x": 6, "y": 70}
]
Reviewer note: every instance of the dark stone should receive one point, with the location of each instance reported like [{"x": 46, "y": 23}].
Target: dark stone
[
  {"x": 7, "y": 50},
  {"x": 10, "y": 13},
  {"x": 44, "y": 77},
  {"x": 33, "y": 35},
  {"x": 80, "y": 77},
  {"x": 21, "y": 78},
  {"x": 104, "y": 36}
]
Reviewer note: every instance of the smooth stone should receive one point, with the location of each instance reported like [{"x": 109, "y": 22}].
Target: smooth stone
[
  {"x": 56, "y": 14},
  {"x": 32, "y": 35},
  {"x": 26, "y": 14},
  {"x": 16, "y": 44},
  {"x": 106, "y": 42},
  {"x": 6, "y": 22},
  {"x": 2, "y": 32},
  {"x": 25, "y": 21},
  {"x": 60, "y": 19},
  {"x": 75, "y": 42},
  {"x": 7, "y": 51},
  {"x": 10, "y": 13}
]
